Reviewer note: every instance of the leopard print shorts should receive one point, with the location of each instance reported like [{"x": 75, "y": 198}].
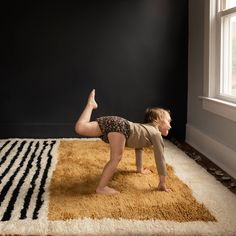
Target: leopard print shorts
[{"x": 109, "y": 124}]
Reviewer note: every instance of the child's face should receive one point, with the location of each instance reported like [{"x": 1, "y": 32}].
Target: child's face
[{"x": 165, "y": 126}]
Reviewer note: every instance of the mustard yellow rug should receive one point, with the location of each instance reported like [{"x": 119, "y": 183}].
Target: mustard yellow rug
[
  {"x": 48, "y": 187},
  {"x": 72, "y": 189}
]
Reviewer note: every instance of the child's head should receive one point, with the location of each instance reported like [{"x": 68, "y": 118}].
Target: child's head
[{"x": 160, "y": 117}]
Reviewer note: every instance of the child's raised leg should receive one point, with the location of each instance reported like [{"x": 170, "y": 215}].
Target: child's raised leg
[
  {"x": 117, "y": 145},
  {"x": 84, "y": 126}
]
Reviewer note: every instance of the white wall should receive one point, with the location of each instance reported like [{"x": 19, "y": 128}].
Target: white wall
[{"x": 211, "y": 134}]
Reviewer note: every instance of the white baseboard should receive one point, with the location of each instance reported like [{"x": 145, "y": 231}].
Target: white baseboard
[{"x": 217, "y": 152}]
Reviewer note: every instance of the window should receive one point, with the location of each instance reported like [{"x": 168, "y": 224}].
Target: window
[
  {"x": 219, "y": 95},
  {"x": 227, "y": 27}
]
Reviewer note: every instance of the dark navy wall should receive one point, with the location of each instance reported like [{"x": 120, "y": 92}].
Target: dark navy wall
[{"x": 52, "y": 54}]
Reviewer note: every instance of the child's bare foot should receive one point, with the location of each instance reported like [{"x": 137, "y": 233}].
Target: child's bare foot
[
  {"x": 106, "y": 190},
  {"x": 91, "y": 100}
]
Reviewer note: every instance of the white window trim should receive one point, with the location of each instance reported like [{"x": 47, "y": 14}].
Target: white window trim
[
  {"x": 219, "y": 107},
  {"x": 210, "y": 101}
]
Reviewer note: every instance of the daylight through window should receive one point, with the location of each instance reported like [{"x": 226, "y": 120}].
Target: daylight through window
[{"x": 227, "y": 27}]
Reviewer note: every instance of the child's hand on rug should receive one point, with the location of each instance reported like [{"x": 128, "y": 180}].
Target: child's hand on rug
[
  {"x": 162, "y": 187},
  {"x": 144, "y": 171},
  {"x": 162, "y": 184}
]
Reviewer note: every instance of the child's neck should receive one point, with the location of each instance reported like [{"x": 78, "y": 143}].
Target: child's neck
[{"x": 155, "y": 124}]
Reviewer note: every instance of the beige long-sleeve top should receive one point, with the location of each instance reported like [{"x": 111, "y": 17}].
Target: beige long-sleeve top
[{"x": 145, "y": 135}]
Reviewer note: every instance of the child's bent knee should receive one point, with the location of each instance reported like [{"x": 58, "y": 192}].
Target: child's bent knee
[{"x": 79, "y": 128}]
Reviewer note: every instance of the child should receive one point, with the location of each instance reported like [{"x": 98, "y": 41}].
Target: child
[{"x": 119, "y": 132}]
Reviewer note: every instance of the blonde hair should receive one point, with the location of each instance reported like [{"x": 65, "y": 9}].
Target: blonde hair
[{"x": 155, "y": 114}]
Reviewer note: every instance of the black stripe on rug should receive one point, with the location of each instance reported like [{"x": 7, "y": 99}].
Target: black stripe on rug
[
  {"x": 3, "y": 159},
  {"x": 39, "y": 201},
  {"x": 34, "y": 159},
  {"x": 10, "y": 181},
  {"x": 32, "y": 183},
  {"x": 4, "y": 145},
  {"x": 10, "y": 207}
]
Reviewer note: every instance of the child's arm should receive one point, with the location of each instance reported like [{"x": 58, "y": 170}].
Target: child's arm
[
  {"x": 158, "y": 146},
  {"x": 139, "y": 159},
  {"x": 139, "y": 162}
]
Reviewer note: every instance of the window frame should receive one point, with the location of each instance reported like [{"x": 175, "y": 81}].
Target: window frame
[{"x": 212, "y": 100}]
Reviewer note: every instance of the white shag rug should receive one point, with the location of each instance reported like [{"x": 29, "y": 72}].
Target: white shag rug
[{"x": 26, "y": 167}]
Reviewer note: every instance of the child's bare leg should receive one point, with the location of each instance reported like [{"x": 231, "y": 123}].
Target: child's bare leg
[
  {"x": 84, "y": 126},
  {"x": 117, "y": 145}
]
